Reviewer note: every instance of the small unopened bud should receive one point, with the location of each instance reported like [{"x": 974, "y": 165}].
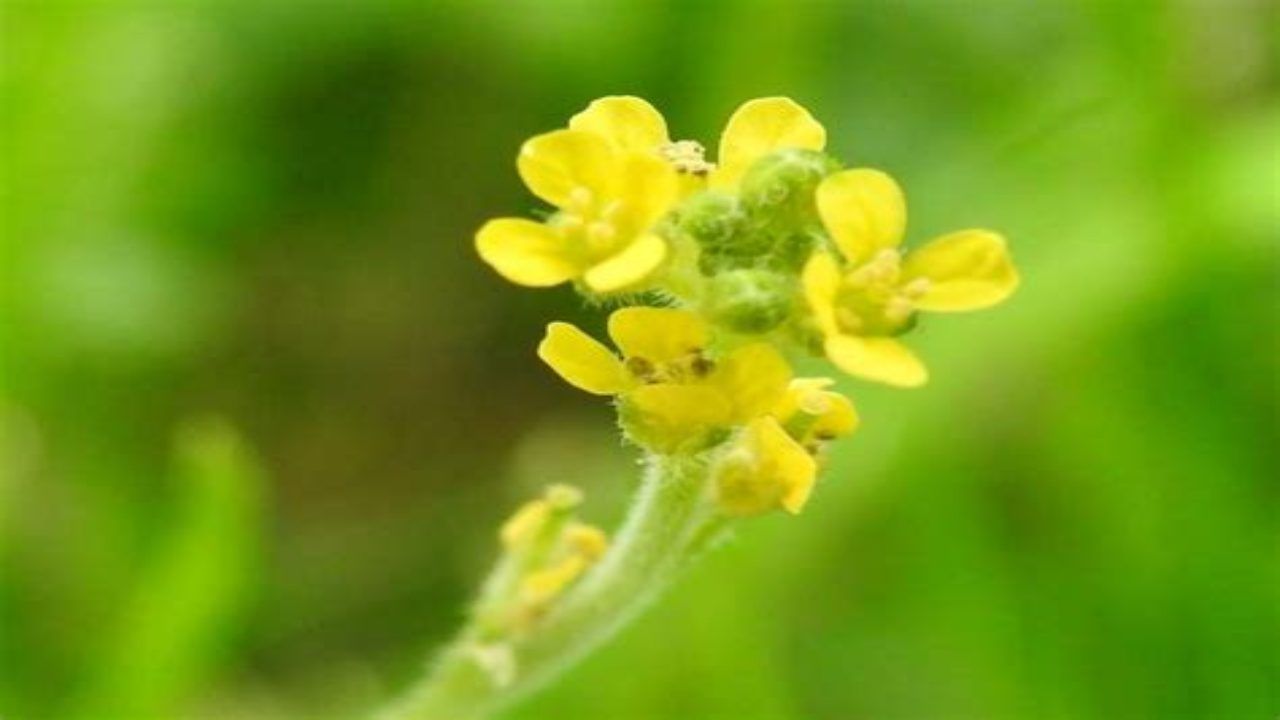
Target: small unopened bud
[
  {"x": 750, "y": 301},
  {"x": 564, "y": 497},
  {"x": 779, "y": 187},
  {"x": 586, "y": 540},
  {"x": 525, "y": 524},
  {"x": 543, "y": 585},
  {"x": 714, "y": 220}
]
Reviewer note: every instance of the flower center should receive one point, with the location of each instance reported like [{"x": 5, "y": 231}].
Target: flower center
[
  {"x": 589, "y": 226},
  {"x": 691, "y": 367},
  {"x": 873, "y": 300},
  {"x": 687, "y": 156}
]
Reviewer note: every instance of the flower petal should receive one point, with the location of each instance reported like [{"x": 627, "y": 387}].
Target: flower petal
[
  {"x": 864, "y": 210},
  {"x": 582, "y": 361},
  {"x": 657, "y": 334},
  {"x": 754, "y": 378},
  {"x": 556, "y": 164},
  {"x": 759, "y": 127},
  {"x": 525, "y": 252},
  {"x": 881, "y": 359},
  {"x": 792, "y": 467},
  {"x": 797, "y": 392},
  {"x": 680, "y": 409},
  {"x": 839, "y": 419},
  {"x": 967, "y": 270},
  {"x": 646, "y": 188},
  {"x": 821, "y": 281},
  {"x": 635, "y": 263},
  {"x": 628, "y": 123}
]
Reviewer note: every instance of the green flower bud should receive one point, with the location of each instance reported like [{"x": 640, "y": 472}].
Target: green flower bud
[
  {"x": 750, "y": 301},
  {"x": 714, "y": 220},
  {"x": 778, "y": 189}
]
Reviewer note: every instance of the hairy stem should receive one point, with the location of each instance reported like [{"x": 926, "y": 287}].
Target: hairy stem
[{"x": 671, "y": 519}]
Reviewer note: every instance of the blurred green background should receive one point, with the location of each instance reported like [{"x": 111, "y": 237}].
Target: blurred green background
[{"x": 261, "y": 408}]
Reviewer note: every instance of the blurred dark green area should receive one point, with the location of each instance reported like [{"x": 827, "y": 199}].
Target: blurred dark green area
[{"x": 261, "y": 408}]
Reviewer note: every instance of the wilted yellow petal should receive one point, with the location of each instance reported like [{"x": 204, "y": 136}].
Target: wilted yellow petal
[
  {"x": 657, "y": 334},
  {"x": 821, "y": 281},
  {"x": 629, "y": 123},
  {"x": 525, "y": 252},
  {"x": 877, "y": 358},
  {"x": 754, "y": 378},
  {"x": 635, "y": 263},
  {"x": 864, "y": 210},
  {"x": 567, "y": 167},
  {"x": 967, "y": 270},
  {"x": 582, "y": 361},
  {"x": 759, "y": 127},
  {"x": 766, "y": 469},
  {"x": 793, "y": 468}
]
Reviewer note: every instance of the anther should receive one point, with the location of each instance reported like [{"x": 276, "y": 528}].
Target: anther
[
  {"x": 640, "y": 368},
  {"x": 702, "y": 366},
  {"x": 686, "y": 156}
]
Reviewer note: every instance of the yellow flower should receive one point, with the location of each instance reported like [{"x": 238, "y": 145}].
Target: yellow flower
[
  {"x": 860, "y": 305},
  {"x": 757, "y": 128},
  {"x": 608, "y": 202},
  {"x": 665, "y": 373},
  {"x": 765, "y": 469}
]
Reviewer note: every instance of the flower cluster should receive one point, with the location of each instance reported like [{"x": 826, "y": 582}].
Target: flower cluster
[{"x": 723, "y": 268}]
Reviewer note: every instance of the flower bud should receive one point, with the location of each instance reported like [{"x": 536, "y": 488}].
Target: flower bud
[
  {"x": 714, "y": 220},
  {"x": 779, "y": 187},
  {"x": 750, "y": 301}
]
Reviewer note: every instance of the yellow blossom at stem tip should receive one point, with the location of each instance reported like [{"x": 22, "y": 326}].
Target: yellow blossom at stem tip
[
  {"x": 868, "y": 295},
  {"x": 608, "y": 200}
]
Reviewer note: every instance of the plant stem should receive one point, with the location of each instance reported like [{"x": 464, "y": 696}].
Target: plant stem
[{"x": 671, "y": 519}]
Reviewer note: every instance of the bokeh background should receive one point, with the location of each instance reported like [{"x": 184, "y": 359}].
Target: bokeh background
[{"x": 261, "y": 408}]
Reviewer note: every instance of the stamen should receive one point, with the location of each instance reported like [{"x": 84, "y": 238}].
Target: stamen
[{"x": 687, "y": 156}]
